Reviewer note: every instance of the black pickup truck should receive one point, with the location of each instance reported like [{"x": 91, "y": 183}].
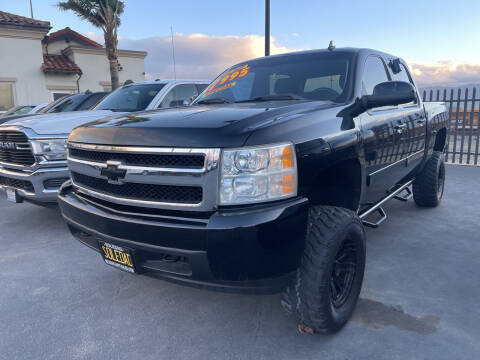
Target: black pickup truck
[{"x": 265, "y": 182}]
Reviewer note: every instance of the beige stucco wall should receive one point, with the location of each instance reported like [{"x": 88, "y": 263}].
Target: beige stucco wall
[
  {"x": 96, "y": 69},
  {"x": 20, "y": 60},
  {"x": 60, "y": 83},
  {"x": 55, "y": 47}
]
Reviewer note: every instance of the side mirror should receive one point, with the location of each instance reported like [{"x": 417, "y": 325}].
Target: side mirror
[{"x": 389, "y": 93}]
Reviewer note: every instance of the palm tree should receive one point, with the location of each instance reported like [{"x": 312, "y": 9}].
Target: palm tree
[{"x": 104, "y": 14}]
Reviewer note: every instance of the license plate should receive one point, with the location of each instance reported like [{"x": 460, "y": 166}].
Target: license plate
[
  {"x": 117, "y": 256},
  {"x": 12, "y": 195}
]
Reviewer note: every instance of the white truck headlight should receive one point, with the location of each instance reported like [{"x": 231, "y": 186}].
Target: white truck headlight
[
  {"x": 258, "y": 174},
  {"x": 51, "y": 149}
]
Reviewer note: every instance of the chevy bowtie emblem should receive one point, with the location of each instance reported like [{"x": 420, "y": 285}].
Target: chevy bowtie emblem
[
  {"x": 112, "y": 173},
  {"x": 8, "y": 145}
]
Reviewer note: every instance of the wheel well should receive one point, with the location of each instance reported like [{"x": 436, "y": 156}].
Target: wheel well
[
  {"x": 440, "y": 140},
  {"x": 338, "y": 185}
]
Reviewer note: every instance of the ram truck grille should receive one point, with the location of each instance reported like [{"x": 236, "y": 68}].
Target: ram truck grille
[
  {"x": 15, "y": 149},
  {"x": 169, "y": 178}
]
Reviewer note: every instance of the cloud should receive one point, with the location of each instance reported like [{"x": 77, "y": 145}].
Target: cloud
[
  {"x": 450, "y": 72},
  {"x": 95, "y": 37},
  {"x": 99, "y": 38},
  {"x": 198, "y": 55},
  {"x": 205, "y": 56}
]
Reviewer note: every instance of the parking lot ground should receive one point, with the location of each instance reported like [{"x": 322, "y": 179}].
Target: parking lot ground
[{"x": 420, "y": 298}]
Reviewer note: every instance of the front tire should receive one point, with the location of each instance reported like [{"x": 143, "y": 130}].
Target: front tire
[
  {"x": 327, "y": 284},
  {"x": 429, "y": 184}
]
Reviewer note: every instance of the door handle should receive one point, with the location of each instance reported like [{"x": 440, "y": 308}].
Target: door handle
[{"x": 421, "y": 121}]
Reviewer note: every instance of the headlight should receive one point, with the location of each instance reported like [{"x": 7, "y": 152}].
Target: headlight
[
  {"x": 257, "y": 174},
  {"x": 52, "y": 149}
]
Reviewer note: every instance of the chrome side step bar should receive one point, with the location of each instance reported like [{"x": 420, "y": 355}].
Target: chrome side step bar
[
  {"x": 405, "y": 197},
  {"x": 378, "y": 206}
]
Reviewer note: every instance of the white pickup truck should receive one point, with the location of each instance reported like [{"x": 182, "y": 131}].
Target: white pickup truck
[{"x": 33, "y": 150}]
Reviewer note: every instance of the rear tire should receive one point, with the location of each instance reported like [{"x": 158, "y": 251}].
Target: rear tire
[
  {"x": 327, "y": 284},
  {"x": 429, "y": 184}
]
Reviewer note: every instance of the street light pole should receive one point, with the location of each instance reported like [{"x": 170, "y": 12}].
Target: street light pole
[
  {"x": 31, "y": 9},
  {"x": 267, "y": 27}
]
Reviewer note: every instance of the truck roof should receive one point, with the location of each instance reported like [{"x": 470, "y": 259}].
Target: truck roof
[
  {"x": 166, "y": 81},
  {"x": 358, "y": 51}
]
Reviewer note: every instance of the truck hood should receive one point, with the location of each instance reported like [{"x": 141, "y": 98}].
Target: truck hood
[
  {"x": 225, "y": 125},
  {"x": 58, "y": 123}
]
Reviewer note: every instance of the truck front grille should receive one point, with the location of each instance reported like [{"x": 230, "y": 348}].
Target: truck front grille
[
  {"x": 52, "y": 184},
  {"x": 196, "y": 161},
  {"x": 15, "y": 148},
  {"x": 16, "y": 184},
  {"x": 149, "y": 177},
  {"x": 138, "y": 191}
]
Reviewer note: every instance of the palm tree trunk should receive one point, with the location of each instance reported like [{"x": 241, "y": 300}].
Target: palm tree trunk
[
  {"x": 112, "y": 55},
  {"x": 114, "y": 73}
]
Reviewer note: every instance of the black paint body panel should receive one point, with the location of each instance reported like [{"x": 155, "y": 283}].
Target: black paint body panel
[{"x": 261, "y": 242}]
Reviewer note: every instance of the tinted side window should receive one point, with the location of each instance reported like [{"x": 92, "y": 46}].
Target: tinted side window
[
  {"x": 91, "y": 101},
  {"x": 180, "y": 95},
  {"x": 201, "y": 87},
  {"x": 402, "y": 75},
  {"x": 64, "y": 106},
  {"x": 373, "y": 74}
]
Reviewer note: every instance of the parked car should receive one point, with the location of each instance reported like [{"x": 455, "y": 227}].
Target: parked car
[
  {"x": 76, "y": 102},
  {"x": 24, "y": 110},
  {"x": 265, "y": 181},
  {"x": 33, "y": 149}
]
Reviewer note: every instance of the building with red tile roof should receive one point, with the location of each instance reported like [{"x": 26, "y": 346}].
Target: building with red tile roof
[
  {"x": 38, "y": 66},
  {"x": 59, "y": 64},
  {"x": 12, "y": 20}
]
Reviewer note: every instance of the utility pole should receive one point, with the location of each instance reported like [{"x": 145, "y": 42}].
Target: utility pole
[
  {"x": 267, "y": 27},
  {"x": 31, "y": 9}
]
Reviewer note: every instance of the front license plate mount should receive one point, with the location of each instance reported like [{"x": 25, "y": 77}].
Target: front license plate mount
[
  {"x": 12, "y": 196},
  {"x": 117, "y": 256}
]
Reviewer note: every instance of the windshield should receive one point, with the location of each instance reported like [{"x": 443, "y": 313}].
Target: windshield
[
  {"x": 130, "y": 98},
  {"x": 19, "y": 110},
  {"x": 316, "y": 76}
]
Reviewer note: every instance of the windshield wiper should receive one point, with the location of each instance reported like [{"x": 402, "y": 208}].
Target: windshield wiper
[
  {"x": 217, "y": 100},
  {"x": 281, "y": 97}
]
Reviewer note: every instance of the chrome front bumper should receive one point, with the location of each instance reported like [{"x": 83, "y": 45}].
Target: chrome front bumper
[{"x": 37, "y": 178}]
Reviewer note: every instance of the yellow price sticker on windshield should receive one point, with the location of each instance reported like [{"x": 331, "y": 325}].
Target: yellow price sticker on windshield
[{"x": 228, "y": 80}]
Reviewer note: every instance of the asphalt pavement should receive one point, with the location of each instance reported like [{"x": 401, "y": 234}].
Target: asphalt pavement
[{"x": 58, "y": 300}]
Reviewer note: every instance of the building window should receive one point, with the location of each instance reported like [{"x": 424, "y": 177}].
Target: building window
[
  {"x": 59, "y": 94},
  {"x": 6, "y": 96}
]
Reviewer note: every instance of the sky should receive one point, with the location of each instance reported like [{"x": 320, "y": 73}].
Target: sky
[{"x": 440, "y": 39}]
